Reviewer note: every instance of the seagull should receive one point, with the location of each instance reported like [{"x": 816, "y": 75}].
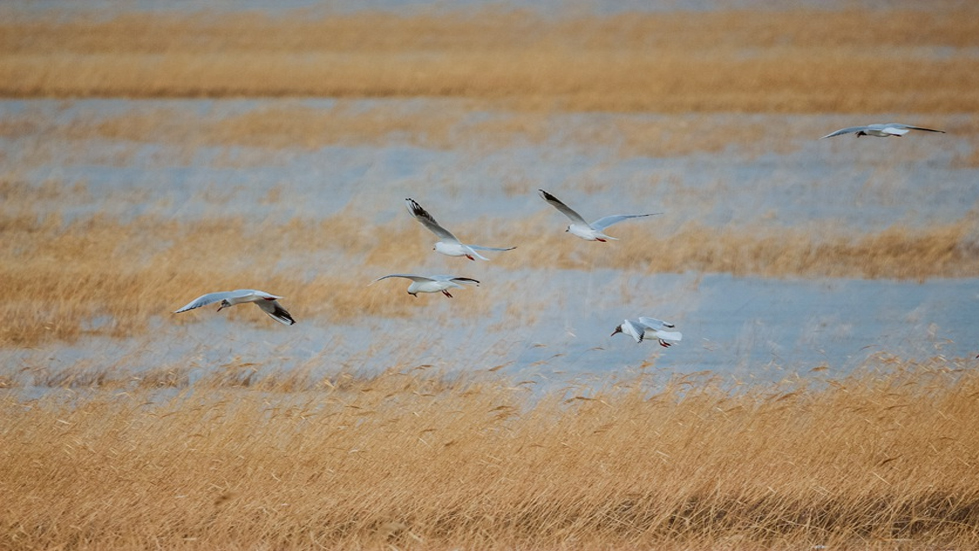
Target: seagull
[
  {"x": 263, "y": 300},
  {"x": 638, "y": 329},
  {"x": 448, "y": 244},
  {"x": 581, "y": 228},
  {"x": 431, "y": 284},
  {"x": 894, "y": 129}
]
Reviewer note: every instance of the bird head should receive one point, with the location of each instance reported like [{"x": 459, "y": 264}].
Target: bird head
[
  {"x": 224, "y": 304},
  {"x": 618, "y": 329}
]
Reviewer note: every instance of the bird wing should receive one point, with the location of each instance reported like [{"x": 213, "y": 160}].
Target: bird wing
[
  {"x": 412, "y": 277},
  {"x": 607, "y": 221},
  {"x": 565, "y": 209},
  {"x": 909, "y": 127},
  {"x": 654, "y": 323},
  {"x": 209, "y": 298},
  {"x": 276, "y": 311},
  {"x": 847, "y": 130},
  {"x": 636, "y": 332},
  {"x": 428, "y": 221},
  {"x": 667, "y": 335},
  {"x": 464, "y": 280},
  {"x": 481, "y": 248}
]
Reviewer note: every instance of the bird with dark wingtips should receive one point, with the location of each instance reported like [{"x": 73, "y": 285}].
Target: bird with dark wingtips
[
  {"x": 267, "y": 302},
  {"x": 448, "y": 244},
  {"x": 432, "y": 284},
  {"x": 579, "y": 227},
  {"x": 890, "y": 129},
  {"x": 640, "y": 328}
]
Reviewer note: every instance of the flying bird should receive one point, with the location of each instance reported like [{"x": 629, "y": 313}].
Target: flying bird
[
  {"x": 448, "y": 244},
  {"x": 880, "y": 130},
  {"x": 581, "y": 228},
  {"x": 640, "y": 328},
  {"x": 263, "y": 300},
  {"x": 432, "y": 284}
]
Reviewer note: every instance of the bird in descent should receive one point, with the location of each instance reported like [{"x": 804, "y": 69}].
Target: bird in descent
[
  {"x": 640, "y": 328},
  {"x": 432, "y": 284},
  {"x": 893, "y": 129},
  {"x": 448, "y": 244},
  {"x": 267, "y": 302},
  {"x": 579, "y": 227}
]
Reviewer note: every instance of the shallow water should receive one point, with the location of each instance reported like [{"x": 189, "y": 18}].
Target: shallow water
[{"x": 744, "y": 327}]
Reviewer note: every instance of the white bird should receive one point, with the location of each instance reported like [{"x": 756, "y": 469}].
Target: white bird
[
  {"x": 448, "y": 244},
  {"x": 652, "y": 327},
  {"x": 267, "y": 302},
  {"x": 894, "y": 129},
  {"x": 431, "y": 284},
  {"x": 584, "y": 230}
]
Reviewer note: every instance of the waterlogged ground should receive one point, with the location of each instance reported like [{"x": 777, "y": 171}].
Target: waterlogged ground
[{"x": 545, "y": 324}]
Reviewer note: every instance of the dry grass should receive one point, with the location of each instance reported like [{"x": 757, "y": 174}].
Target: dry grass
[
  {"x": 433, "y": 125},
  {"x": 793, "y": 61},
  {"x": 885, "y": 459}
]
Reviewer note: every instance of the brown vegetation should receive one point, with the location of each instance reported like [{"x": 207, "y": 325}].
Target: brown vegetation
[
  {"x": 675, "y": 62},
  {"x": 885, "y": 459}
]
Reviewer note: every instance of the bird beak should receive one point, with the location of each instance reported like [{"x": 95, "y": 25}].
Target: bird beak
[{"x": 617, "y": 331}]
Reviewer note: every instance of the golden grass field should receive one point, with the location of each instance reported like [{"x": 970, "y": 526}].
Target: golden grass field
[
  {"x": 246, "y": 455},
  {"x": 675, "y": 62},
  {"x": 407, "y": 459}
]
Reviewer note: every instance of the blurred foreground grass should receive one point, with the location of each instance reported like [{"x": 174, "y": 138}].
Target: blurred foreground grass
[
  {"x": 737, "y": 61},
  {"x": 410, "y": 459}
]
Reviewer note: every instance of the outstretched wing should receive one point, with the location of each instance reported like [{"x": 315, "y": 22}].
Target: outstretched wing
[
  {"x": 276, "y": 311},
  {"x": 481, "y": 248},
  {"x": 847, "y": 130},
  {"x": 607, "y": 221},
  {"x": 654, "y": 323},
  {"x": 664, "y": 336},
  {"x": 464, "y": 280},
  {"x": 209, "y": 298},
  {"x": 412, "y": 277},
  {"x": 565, "y": 209},
  {"x": 428, "y": 221},
  {"x": 909, "y": 127}
]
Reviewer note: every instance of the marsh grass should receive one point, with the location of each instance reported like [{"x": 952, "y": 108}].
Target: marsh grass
[
  {"x": 413, "y": 459},
  {"x": 737, "y": 61},
  {"x": 104, "y": 276}
]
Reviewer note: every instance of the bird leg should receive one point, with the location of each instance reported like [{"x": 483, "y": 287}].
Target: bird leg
[{"x": 446, "y": 293}]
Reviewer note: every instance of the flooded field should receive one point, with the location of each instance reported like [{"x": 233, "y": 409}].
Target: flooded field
[
  {"x": 765, "y": 279},
  {"x": 823, "y": 394}
]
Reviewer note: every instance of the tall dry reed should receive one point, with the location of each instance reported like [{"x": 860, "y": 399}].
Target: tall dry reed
[{"x": 407, "y": 459}]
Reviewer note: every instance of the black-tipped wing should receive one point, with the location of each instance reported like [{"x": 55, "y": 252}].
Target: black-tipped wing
[
  {"x": 276, "y": 311},
  {"x": 909, "y": 127},
  {"x": 428, "y": 221},
  {"x": 564, "y": 209},
  {"x": 655, "y": 324}
]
